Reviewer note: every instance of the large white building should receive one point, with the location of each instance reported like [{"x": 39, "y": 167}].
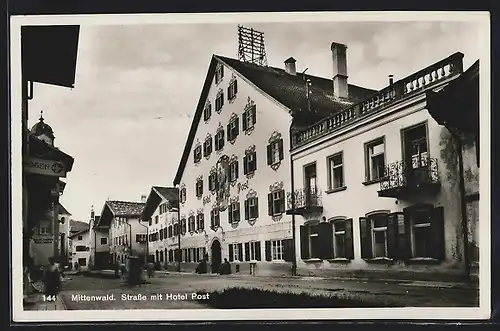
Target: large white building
[
  {"x": 161, "y": 215},
  {"x": 81, "y": 248},
  {"x": 376, "y": 185},
  {"x": 126, "y": 231},
  {"x": 234, "y": 174}
]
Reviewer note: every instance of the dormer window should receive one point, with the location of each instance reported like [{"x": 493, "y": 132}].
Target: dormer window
[{"x": 219, "y": 73}]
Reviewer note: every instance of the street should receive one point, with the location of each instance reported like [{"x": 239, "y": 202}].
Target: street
[{"x": 172, "y": 286}]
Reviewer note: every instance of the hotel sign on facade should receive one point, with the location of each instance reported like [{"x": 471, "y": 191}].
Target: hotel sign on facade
[{"x": 45, "y": 167}]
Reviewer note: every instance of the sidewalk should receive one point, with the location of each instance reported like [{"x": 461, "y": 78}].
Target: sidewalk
[{"x": 37, "y": 302}]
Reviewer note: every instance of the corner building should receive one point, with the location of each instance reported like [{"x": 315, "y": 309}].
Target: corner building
[{"x": 234, "y": 174}]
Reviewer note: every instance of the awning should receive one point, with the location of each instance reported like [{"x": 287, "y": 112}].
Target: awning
[
  {"x": 49, "y": 54},
  {"x": 457, "y": 105}
]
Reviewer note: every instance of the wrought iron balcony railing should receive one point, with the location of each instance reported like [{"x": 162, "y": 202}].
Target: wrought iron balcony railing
[
  {"x": 404, "y": 178},
  {"x": 303, "y": 201}
]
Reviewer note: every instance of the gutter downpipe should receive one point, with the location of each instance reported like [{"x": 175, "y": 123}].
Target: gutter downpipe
[{"x": 292, "y": 194}]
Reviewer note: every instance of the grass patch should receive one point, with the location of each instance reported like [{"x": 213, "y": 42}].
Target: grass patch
[{"x": 241, "y": 298}]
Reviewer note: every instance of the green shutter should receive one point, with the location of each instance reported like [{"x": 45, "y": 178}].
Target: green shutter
[
  {"x": 257, "y": 251},
  {"x": 230, "y": 246},
  {"x": 247, "y": 251},
  {"x": 348, "y": 240},
  {"x": 366, "y": 238},
  {"x": 325, "y": 233},
  {"x": 304, "y": 242},
  {"x": 270, "y": 204},
  {"x": 268, "y": 251}
]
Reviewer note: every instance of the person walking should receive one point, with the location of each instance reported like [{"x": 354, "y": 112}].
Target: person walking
[{"x": 52, "y": 278}]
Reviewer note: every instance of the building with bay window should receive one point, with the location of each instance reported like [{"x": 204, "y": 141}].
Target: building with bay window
[
  {"x": 126, "y": 229},
  {"x": 376, "y": 185},
  {"x": 234, "y": 173},
  {"x": 160, "y": 214}
]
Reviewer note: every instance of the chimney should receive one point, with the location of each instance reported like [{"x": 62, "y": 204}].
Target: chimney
[
  {"x": 143, "y": 198},
  {"x": 391, "y": 79},
  {"x": 339, "y": 59},
  {"x": 92, "y": 213},
  {"x": 290, "y": 66}
]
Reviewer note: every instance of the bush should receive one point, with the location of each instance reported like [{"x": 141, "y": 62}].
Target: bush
[{"x": 240, "y": 298}]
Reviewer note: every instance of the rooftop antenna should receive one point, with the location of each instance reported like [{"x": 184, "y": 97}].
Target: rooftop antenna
[{"x": 251, "y": 47}]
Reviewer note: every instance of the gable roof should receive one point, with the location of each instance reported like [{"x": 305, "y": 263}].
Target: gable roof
[
  {"x": 77, "y": 226},
  {"x": 155, "y": 197},
  {"x": 126, "y": 208},
  {"x": 289, "y": 90}
]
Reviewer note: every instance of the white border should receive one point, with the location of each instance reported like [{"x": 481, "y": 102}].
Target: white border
[{"x": 484, "y": 310}]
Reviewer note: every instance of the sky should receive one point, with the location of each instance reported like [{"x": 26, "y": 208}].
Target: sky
[{"x": 137, "y": 86}]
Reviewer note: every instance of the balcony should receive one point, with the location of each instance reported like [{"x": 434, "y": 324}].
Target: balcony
[
  {"x": 403, "y": 180},
  {"x": 304, "y": 201}
]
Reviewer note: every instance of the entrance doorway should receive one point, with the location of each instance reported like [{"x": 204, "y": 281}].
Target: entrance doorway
[{"x": 216, "y": 256}]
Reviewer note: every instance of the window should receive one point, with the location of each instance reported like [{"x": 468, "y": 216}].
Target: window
[
  {"x": 275, "y": 152},
  {"x": 375, "y": 159},
  {"x": 233, "y": 129},
  {"x": 327, "y": 240},
  {"x": 252, "y": 251},
  {"x": 416, "y": 146},
  {"x": 336, "y": 175},
  {"x": 212, "y": 181},
  {"x": 176, "y": 229},
  {"x": 140, "y": 238},
  {"x": 80, "y": 237},
  {"x": 169, "y": 231},
  {"x": 200, "y": 222},
  {"x": 192, "y": 223},
  {"x": 183, "y": 195},
  {"x": 235, "y": 252},
  {"x": 249, "y": 163},
  {"x": 426, "y": 229},
  {"x": 276, "y": 250},
  {"x": 156, "y": 219},
  {"x": 234, "y": 212},
  {"x": 276, "y": 202},
  {"x": 232, "y": 89},
  {"x": 44, "y": 228},
  {"x": 214, "y": 218},
  {"x": 197, "y": 154},
  {"x": 219, "y": 101},
  {"x": 161, "y": 234},
  {"x": 249, "y": 118},
  {"x": 219, "y": 140},
  {"x": 82, "y": 262},
  {"x": 207, "y": 146},
  {"x": 183, "y": 226},
  {"x": 81, "y": 248},
  {"x": 150, "y": 222},
  {"x": 104, "y": 241},
  {"x": 219, "y": 74},
  {"x": 379, "y": 235},
  {"x": 199, "y": 187},
  {"x": 251, "y": 208},
  {"x": 233, "y": 171},
  {"x": 207, "y": 112}
]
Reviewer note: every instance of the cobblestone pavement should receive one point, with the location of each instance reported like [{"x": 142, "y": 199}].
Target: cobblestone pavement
[{"x": 409, "y": 294}]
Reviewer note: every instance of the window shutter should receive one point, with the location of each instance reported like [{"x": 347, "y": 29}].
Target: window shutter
[
  {"x": 325, "y": 233},
  {"x": 229, "y": 91},
  {"x": 247, "y": 251},
  {"x": 247, "y": 210},
  {"x": 231, "y": 254},
  {"x": 288, "y": 250},
  {"x": 212, "y": 221},
  {"x": 222, "y": 99},
  {"x": 235, "y": 87},
  {"x": 366, "y": 238},
  {"x": 254, "y": 114},
  {"x": 282, "y": 201},
  {"x": 268, "y": 250},
  {"x": 348, "y": 240},
  {"x": 244, "y": 120},
  {"x": 230, "y": 213},
  {"x": 237, "y": 127},
  {"x": 201, "y": 187},
  {"x": 255, "y": 160},
  {"x": 304, "y": 242},
  {"x": 269, "y": 154},
  {"x": 257, "y": 206},
  {"x": 221, "y": 73},
  {"x": 404, "y": 230},
  {"x": 210, "y": 182},
  {"x": 229, "y": 133},
  {"x": 257, "y": 251},
  {"x": 392, "y": 235},
  {"x": 240, "y": 252},
  {"x": 270, "y": 204},
  {"x": 280, "y": 145},
  {"x": 437, "y": 230},
  {"x": 245, "y": 165}
]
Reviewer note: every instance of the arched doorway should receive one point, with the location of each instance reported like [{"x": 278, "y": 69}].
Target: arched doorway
[{"x": 216, "y": 255}]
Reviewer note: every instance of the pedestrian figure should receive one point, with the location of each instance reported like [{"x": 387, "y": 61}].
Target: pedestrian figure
[
  {"x": 225, "y": 268},
  {"x": 150, "y": 269},
  {"x": 202, "y": 267},
  {"x": 51, "y": 278},
  {"x": 77, "y": 267}
]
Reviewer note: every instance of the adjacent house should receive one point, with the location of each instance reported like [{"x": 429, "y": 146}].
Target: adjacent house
[
  {"x": 234, "y": 174},
  {"x": 99, "y": 243},
  {"x": 81, "y": 248},
  {"x": 376, "y": 185},
  {"x": 161, "y": 216},
  {"x": 123, "y": 219}
]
